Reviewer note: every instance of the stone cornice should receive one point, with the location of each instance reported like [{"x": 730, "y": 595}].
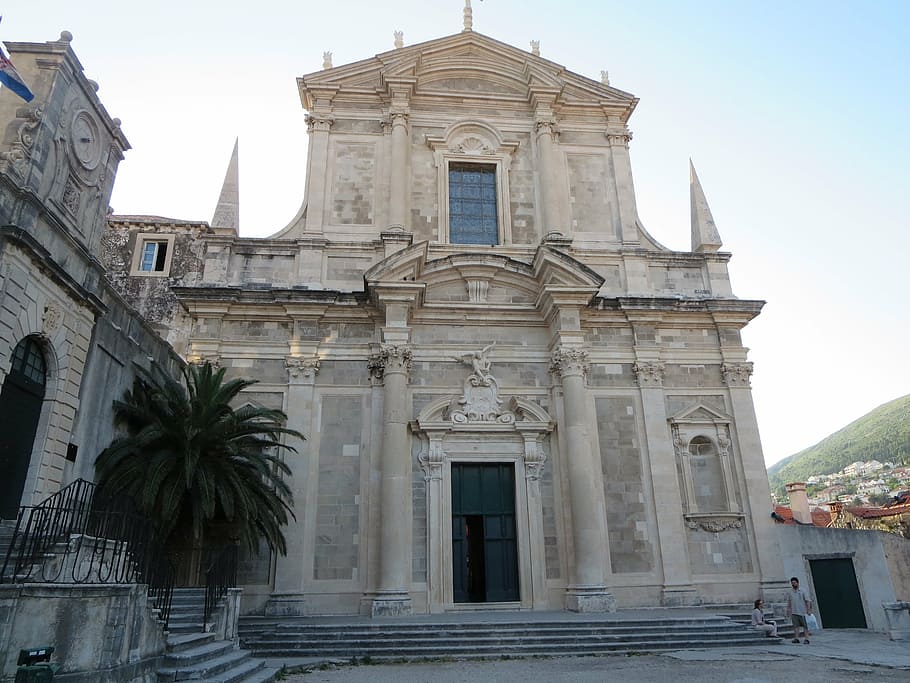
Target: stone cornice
[{"x": 45, "y": 261}]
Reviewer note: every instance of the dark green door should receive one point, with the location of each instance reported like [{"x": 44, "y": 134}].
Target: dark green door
[
  {"x": 20, "y": 409},
  {"x": 839, "y": 602},
  {"x": 484, "y": 548}
]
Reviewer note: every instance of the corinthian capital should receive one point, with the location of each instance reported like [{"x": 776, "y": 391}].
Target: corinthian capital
[
  {"x": 736, "y": 374},
  {"x": 567, "y": 361},
  {"x": 319, "y": 122},
  {"x": 649, "y": 373},
  {"x": 299, "y": 366},
  {"x": 546, "y": 126},
  {"x": 619, "y": 137},
  {"x": 389, "y": 358}
]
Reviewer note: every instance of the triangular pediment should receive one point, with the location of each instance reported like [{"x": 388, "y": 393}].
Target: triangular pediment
[
  {"x": 700, "y": 413},
  {"x": 462, "y": 65}
]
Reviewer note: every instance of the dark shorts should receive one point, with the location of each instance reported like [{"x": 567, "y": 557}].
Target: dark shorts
[{"x": 799, "y": 620}]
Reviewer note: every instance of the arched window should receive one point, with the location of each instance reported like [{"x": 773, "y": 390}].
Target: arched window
[
  {"x": 707, "y": 476},
  {"x": 21, "y": 399}
]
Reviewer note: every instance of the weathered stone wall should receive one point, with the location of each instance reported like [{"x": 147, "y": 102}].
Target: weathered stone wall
[
  {"x": 627, "y": 511},
  {"x": 338, "y": 498},
  {"x": 874, "y": 555},
  {"x": 102, "y": 633}
]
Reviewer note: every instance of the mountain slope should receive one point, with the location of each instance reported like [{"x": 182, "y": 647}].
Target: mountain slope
[{"x": 883, "y": 434}]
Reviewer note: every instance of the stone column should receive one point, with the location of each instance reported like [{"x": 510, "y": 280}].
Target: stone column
[
  {"x": 398, "y": 181},
  {"x": 291, "y": 571},
  {"x": 678, "y": 588},
  {"x": 393, "y": 597},
  {"x": 546, "y": 131},
  {"x": 318, "y": 126},
  {"x": 619, "y": 136},
  {"x": 588, "y": 590},
  {"x": 756, "y": 490}
]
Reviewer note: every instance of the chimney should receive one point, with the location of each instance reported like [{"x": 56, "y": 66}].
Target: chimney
[{"x": 799, "y": 502}]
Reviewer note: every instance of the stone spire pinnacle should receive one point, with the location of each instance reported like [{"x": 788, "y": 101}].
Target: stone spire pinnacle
[
  {"x": 227, "y": 212},
  {"x": 704, "y": 233},
  {"x": 468, "y": 16}
]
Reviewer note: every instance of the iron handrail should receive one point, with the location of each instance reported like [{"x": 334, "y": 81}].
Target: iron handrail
[
  {"x": 79, "y": 535},
  {"x": 219, "y": 577}
]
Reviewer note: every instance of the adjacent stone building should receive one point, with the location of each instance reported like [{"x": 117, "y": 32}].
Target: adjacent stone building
[
  {"x": 514, "y": 397},
  {"x": 69, "y": 342}
]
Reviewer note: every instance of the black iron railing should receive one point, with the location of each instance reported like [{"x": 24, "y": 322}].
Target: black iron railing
[
  {"x": 79, "y": 535},
  {"x": 220, "y": 575}
]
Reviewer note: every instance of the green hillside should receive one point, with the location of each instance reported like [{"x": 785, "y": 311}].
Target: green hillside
[{"x": 883, "y": 435}]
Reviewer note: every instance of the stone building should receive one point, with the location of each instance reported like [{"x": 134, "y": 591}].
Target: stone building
[
  {"x": 514, "y": 397},
  {"x": 68, "y": 340}
]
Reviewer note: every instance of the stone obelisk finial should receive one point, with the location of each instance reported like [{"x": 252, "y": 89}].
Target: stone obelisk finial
[
  {"x": 704, "y": 232},
  {"x": 468, "y": 16},
  {"x": 227, "y": 211}
]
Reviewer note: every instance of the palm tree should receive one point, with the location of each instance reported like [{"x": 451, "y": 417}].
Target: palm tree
[{"x": 194, "y": 464}]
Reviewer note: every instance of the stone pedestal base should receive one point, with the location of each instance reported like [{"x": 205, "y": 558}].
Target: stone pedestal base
[
  {"x": 286, "y": 605},
  {"x": 391, "y": 605},
  {"x": 679, "y": 596},
  {"x": 594, "y": 599},
  {"x": 898, "y": 616}
]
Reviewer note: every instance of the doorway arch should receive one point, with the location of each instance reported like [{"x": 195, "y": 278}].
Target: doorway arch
[{"x": 21, "y": 400}]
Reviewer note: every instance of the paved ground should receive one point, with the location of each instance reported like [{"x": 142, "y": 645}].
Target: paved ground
[{"x": 836, "y": 656}]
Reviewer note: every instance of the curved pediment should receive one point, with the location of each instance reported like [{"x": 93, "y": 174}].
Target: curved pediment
[
  {"x": 485, "y": 279},
  {"x": 523, "y": 414}
]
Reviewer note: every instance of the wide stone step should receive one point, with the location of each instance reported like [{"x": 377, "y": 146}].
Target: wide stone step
[
  {"x": 241, "y": 673},
  {"x": 474, "y": 652},
  {"x": 187, "y": 641},
  {"x": 197, "y": 654},
  {"x": 207, "y": 668}
]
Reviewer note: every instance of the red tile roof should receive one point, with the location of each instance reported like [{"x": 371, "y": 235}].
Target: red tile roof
[{"x": 785, "y": 516}]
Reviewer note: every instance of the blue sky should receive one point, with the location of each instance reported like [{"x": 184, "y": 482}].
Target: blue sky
[{"x": 794, "y": 113}]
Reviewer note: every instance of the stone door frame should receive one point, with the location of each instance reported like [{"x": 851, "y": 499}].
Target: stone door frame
[{"x": 517, "y": 440}]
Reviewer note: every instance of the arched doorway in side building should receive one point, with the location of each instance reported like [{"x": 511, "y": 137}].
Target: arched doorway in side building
[{"x": 21, "y": 399}]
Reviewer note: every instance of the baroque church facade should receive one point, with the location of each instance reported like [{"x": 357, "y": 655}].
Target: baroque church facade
[{"x": 514, "y": 397}]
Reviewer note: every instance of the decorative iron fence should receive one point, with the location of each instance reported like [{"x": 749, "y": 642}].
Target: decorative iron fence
[
  {"x": 220, "y": 575},
  {"x": 78, "y": 535}
]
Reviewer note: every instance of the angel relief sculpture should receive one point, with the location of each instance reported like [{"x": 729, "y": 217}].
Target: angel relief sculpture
[
  {"x": 480, "y": 401},
  {"x": 480, "y": 363}
]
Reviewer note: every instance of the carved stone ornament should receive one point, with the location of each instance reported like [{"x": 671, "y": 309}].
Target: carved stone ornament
[
  {"x": 480, "y": 401},
  {"x": 568, "y": 361},
  {"x": 474, "y": 146},
  {"x": 534, "y": 459},
  {"x": 53, "y": 316},
  {"x": 679, "y": 443},
  {"x": 477, "y": 291},
  {"x": 319, "y": 122},
  {"x": 202, "y": 358},
  {"x": 714, "y": 523},
  {"x": 723, "y": 440},
  {"x": 20, "y": 149},
  {"x": 70, "y": 197},
  {"x": 737, "y": 374},
  {"x": 619, "y": 137},
  {"x": 431, "y": 460},
  {"x": 649, "y": 373},
  {"x": 298, "y": 366}
]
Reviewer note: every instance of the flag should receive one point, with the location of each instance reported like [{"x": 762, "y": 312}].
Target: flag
[{"x": 11, "y": 78}]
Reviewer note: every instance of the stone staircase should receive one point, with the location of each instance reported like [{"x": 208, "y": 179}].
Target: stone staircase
[
  {"x": 545, "y": 635},
  {"x": 195, "y": 655}
]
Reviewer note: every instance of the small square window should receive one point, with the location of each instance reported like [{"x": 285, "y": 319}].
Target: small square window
[{"x": 153, "y": 255}]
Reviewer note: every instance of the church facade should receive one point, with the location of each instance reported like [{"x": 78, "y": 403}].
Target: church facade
[{"x": 513, "y": 396}]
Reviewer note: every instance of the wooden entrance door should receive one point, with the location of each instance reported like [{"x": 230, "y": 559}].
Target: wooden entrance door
[
  {"x": 484, "y": 545},
  {"x": 20, "y": 409},
  {"x": 839, "y": 601}
]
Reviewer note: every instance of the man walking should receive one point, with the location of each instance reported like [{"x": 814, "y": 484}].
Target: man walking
[{"x": 798, "y": 606}]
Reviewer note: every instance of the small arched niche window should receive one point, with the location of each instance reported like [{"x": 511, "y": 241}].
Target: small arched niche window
[{"x": 707, "y": 475}]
